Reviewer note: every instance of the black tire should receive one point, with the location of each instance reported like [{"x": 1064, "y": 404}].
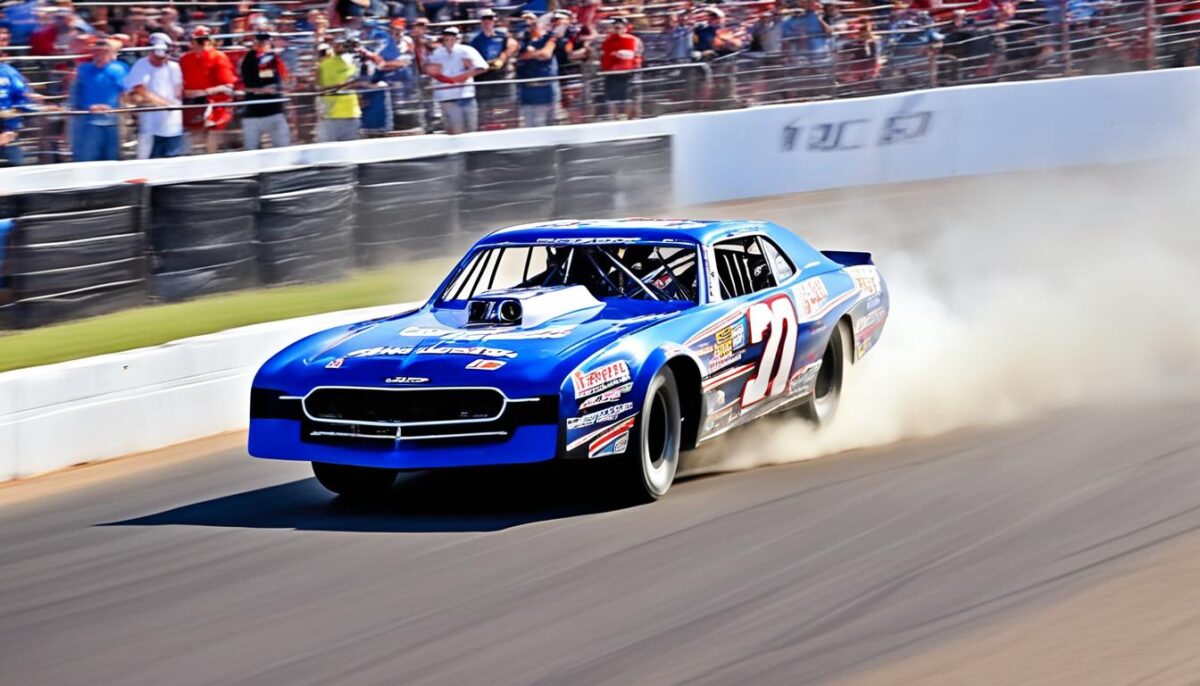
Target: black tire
[
  {"x": 649, "y": 466},
  {"x": 822, "y": 405},
  {"x": 355, "y": 483}
]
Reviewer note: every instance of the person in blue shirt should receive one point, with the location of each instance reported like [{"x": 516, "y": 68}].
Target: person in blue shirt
[
  {"x": 15, "y": 96},
  {"x": 97, "y": 88},
  {"x": 536, "y": 60},
  {"x": 22, "y": 20},
  {"x": 497, "y": 49}
]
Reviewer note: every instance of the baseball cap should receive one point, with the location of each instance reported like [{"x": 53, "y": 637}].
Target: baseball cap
[
  {"x": 201, "y": 32},
  {"x": 620, "y": 20},
  {"x": 262, "y": 35},
  {"x": 160, "y": 43},
  {"x": 399, "y": 23},
  {"x": 450, "y": 31},
  {"x": 487, "y": 13}
]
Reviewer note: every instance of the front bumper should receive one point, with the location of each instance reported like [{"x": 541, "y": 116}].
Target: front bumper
[
  {"x": 280, "y": 439},
  {"x": 522, "y": 431}
]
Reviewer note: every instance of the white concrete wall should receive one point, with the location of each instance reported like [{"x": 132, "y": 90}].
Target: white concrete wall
[{"x": 104, "y": 407}]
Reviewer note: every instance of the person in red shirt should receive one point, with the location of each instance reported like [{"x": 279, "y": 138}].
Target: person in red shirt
[
  {"x": 208, "y": 77},
  {"x": 620, "y": 54}
]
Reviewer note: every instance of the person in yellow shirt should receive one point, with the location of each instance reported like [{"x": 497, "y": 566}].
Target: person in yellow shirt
[{"x": 340, "y": 112}]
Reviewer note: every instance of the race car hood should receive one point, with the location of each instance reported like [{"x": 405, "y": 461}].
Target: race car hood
[{"x": 435, "y": 347}]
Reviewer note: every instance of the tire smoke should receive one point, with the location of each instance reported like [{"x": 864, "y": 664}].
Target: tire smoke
[{"x": 1011, "y": 296}]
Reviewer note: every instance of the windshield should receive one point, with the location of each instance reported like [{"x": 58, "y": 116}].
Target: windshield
[{"x": 665, "y": 272}]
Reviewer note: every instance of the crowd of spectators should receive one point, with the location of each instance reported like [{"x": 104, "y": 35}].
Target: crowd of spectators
[{"x": 168, "y": 79}]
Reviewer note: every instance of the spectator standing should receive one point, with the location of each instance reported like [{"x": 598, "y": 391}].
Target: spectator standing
[
  {"x": 710, "y": 37},
  {"x": 97, "y": 89},
  {"x": 55, "y": 37},
  {"x": 15, "y": 96},
  {"x": 679, "y": 34},
  {"x": 768, "y": 32},
  {"x": 208, "y": 79},
  {"x": 815, "y": 35},
  {"x": 397, "y": 68},
  {"x": 168, "y": 23},
  {"x": 340, "y": 112},
  {"x": 454, "y": 66},
  {"x": 263, "y": 76},
  {"x": 156, "y": 81},
  {"x": 571, "y": 50},
  {"x": 497, "y": 49},
  {"x": 620, "y": 54},
  {"x": 535, "y": 61}
]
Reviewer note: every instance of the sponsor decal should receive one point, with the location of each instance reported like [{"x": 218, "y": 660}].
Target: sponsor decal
[
  {"x": 380, "y": 351},
  {"x": 587, "y": 241},
  {"x": 473, "y": 350},
  {"x": 611, "y": 440},
  {"x": 611, "y": 395},
  {"x": 602, "y": 433},
  {"x": 439, "y": 349},
  {"x": 852, "y": 134},
  {"x": 335, "y": 363},
  {"x": 489, "y": 334},
  {"x": 866, "y": 278},
  {"x": 599, "y": 379},
  {"x": 406, "y": 379},
  {"x": 485, "y": 365},
  {"x": 867, "y": 323},
  {"x": 810, "y": 294},
  {"x": 727, "y": 346},
  {"x": 804, "y": 379},
  {"x": 599, "y": 416}
]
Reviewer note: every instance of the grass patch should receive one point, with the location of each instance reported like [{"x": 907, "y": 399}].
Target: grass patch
[{"x": 157, "y": 324}]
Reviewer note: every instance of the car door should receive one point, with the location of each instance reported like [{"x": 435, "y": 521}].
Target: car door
[{"x": 750, "y": 269}]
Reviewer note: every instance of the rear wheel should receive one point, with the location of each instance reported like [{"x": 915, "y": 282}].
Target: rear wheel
[
  {"x": 648, "y": 470},
  {"x": 355, "y": 483},
  {"x": 827, "y": 391}
]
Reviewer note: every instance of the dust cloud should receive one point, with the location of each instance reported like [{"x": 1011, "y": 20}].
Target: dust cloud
[{"x": 1011, "y": 296}]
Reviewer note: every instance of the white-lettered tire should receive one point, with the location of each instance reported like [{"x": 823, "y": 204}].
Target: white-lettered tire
[
  {"x": 355, "y": 483},
  {"x": 821, "y": 407},
  {"x": 649, "y": 466}
]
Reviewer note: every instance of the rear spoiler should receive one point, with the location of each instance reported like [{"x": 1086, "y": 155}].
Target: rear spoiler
[{"x": 847, "y": 258}]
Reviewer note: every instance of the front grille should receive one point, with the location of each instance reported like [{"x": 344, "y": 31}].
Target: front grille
[
  {"x": 407, "y": 406},
  {"x": 367, "y": 418}
]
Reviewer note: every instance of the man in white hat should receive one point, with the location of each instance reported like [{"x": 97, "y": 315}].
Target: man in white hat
[
  {"x": 156, "y": 81},
  {"x": 454, "y": 66}
]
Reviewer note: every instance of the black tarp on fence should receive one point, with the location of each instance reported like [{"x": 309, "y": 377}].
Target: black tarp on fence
[
  {"x": 305, "y": 224},
  {"x": 407, "y": 208},
  {"x": 203, "y": 237},
  {"x": 502, "y": 187},
  {"x": 78, "y": 253}
]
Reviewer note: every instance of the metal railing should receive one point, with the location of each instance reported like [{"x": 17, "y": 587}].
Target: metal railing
[{"x": 1121, "y": 37}]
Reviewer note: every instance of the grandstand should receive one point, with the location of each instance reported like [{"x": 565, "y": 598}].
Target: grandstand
[{"x": 691, "y": 57}]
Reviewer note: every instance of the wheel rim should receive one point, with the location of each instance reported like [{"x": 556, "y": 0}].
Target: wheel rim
[{"x": 658, "y": 447}]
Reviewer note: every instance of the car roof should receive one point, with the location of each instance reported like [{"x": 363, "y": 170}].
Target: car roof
[{"x": 668, "y": 230}]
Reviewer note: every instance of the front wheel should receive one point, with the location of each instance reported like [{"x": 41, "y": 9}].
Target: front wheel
[
  {"x": 649, "y": 467},
  {"x": 355, "y": 483},
  {"x": 827, "y": 391}
]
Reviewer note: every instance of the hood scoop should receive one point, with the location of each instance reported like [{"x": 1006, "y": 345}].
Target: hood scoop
[{"x": 527, "y": 307}]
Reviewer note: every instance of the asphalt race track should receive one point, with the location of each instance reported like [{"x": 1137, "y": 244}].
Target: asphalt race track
[{"x": 1057, "y": 548}]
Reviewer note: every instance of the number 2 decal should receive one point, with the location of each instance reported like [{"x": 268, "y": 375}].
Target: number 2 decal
[{"x": 774, "y": 319}]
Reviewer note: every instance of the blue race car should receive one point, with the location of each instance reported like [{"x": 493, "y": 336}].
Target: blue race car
[{"x": 620, "y": 342}]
